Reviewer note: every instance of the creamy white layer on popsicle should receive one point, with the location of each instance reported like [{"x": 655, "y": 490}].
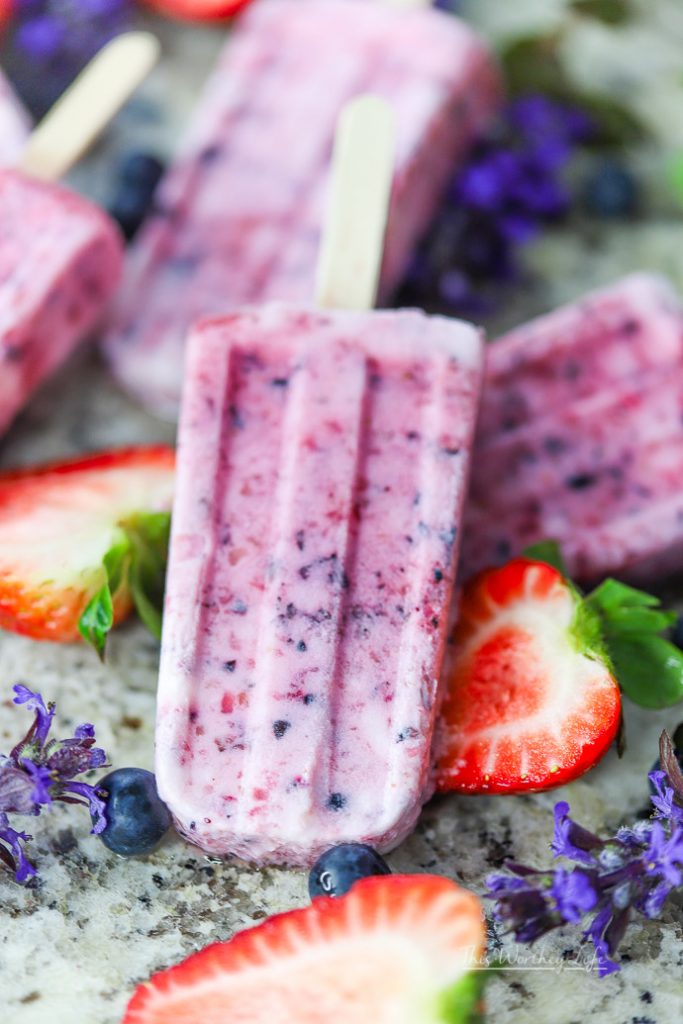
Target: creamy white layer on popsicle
[
  {"x": 239, "y": 214},
  {"x": 322, "y": 468}
]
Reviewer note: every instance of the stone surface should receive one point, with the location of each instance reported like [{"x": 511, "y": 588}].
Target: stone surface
[{"x": 79, "y": 940}]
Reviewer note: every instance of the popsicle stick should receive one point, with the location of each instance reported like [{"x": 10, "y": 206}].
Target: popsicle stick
[
  {"x": 87, "y": 106},
  {"x": 353, "y": 235}
]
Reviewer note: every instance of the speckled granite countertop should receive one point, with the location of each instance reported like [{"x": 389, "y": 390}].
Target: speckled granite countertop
[{"x": 77, "y": 942}]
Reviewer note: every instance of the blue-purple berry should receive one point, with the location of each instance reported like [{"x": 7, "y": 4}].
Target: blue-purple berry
[
  {"x": 611, "y": 190},
  {"x": 338, "y": 868},
  {"x": 137, "y": 818}
]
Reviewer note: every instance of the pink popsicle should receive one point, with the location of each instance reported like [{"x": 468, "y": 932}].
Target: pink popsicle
[
  {"x": 322, "y": 467},
  {"x": 581, "y": 436},
  {"x": 240, "y": 211},
  {"x": 60, "y": 261}
]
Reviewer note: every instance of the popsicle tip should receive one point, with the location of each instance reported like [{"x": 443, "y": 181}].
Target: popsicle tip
[
  {"x": 139, "y": 45},
  {"x": 89, "y": 104}
]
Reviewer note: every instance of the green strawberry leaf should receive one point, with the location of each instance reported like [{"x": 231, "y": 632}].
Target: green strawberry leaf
[
  {"x": 98, "y": 616},
  {"x": 547, "y": 551},
  {"x": 149, "y": 535},
  {"x": 611, "y": 12},
  {"x": 462, "y": 1003},
  {"x": 136, "y": 561},
  {"x": 97, "y": 619},
  {"x": 648, "y": 667}
]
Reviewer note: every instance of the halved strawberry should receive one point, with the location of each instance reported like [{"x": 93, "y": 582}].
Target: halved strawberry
[
  {"x": 397, "y": 949},
  {"x": 198, "y": 10},
  {"x": 82, "y": 541},
  {"x": 530, "y": 700}
]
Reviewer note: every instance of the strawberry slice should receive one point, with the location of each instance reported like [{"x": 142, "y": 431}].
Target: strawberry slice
[
  {"x": 198, "y": 10},
  {"x": 83, "y": 541},
  {"x": 397, "y": 949},
  {"x": 531, "y": 702}
]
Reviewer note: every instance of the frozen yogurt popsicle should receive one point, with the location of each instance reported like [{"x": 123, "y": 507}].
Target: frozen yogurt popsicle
[
  {"x": 60, "y": 256},
  {"x": 60, "y": 261},
  {"x": 14, "y": 124},
  {"x": 322, "y": 466},
  {"x": 239, "y": 214},
  {"x": 581, "y": 436}
]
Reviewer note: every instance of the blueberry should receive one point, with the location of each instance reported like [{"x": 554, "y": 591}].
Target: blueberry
[
  {"x": 337, "y": 869},
  {"x": 136, "y": 818},
  {"x": 139, "y": 175},
  {"x": 611, "y": 190},
  {"x": 676, "y": 635},
  {"x": 129, "y": 208},
  {"x": 141, "y": 169}
]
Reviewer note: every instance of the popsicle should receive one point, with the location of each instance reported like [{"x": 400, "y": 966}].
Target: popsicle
[
  {"x": 581, "y": 436},
  {"x": 60, "y": 256},
  {"x": 14, "y": 124},
  {"x": 239, "y": 214},
  {"x": 322, "y": 465}
]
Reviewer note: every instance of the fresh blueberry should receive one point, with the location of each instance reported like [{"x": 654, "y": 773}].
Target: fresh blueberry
[
  {"x": 676, "y": 635},
  {"x": 337, "y": 869},
  {"x": 128, "y": 210},
  {"x": 611, "y": 190},
  {"x": 141, "y": 169},
  {"x": 139, "y": 176},
  {"x": 136, "y": 818}
]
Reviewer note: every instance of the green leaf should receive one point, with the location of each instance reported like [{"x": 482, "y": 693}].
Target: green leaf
[
  {"x": 649, "y": 669},
  {"x": 613, "y": 594},
  {"x": 587, "y": 631},
  {"x": 97, "y": 619},
  {"x": 148, "y": 536},
  {"x": 547, "y": 551},
  {"x": 639, "y": 620},
  {"x": 674, "y": 176},
  {"x": 611, "y": 12},
  {"x": 98, "y": 616},
  {"x": 136, "y": 561},
  {"x": 463, "y": 1002}
]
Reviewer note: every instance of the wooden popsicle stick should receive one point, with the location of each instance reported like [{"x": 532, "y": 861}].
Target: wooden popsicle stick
[
  {"x": 353, "y": 234},
  {"x": 88, "y": 105}
]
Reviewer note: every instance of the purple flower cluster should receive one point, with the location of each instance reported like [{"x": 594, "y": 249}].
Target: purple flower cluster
[
  {"x": 511, "y": 186},
  {"x": 634, "y": 870},
  {"x": 40, "y": 771},
  {"x": 52, "y": 40}
]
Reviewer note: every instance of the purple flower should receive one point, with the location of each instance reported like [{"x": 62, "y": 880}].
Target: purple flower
[
  {"x": 634, "y": 870},
  {"x": 573, "y": 893},
  {"x": 40, "y": 771},
  {"x": 41, "y": 37},
  {"x": 42, "y": 781},
  {"x": 665, "y": 854},
  {"x": 571, "y": 840},
  {"x": 14, "y": 857},
  {"x": 597, "y": 935},
  {"x": 664, "y": 799},
  {"x": 34, "y": 702},
  {"x": 512, "y": 185}
]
